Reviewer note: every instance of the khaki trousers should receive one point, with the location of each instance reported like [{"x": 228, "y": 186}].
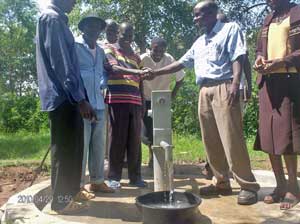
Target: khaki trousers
[{"x": 222, "y": 134}]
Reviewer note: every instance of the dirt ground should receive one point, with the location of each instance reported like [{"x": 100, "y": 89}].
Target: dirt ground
[{"x": 14, "y": 179}]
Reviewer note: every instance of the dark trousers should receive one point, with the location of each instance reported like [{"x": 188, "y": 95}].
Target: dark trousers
[
  {"x": 125, "y": 131},
  {"x": 148, "y": 124},
  {"x": 66, "y": 153}
]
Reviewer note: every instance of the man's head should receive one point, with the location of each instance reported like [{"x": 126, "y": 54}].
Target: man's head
[
  {"x": 112, "y": 31},
  {"x": 205, "y": 14},
  {"x": 158, "y": 48},
  {"x": 65, "y": 5},
  {"x": 126, "y": 35},
  {"x": 91, "y": 26},
  {"x": 277, "y": 5}
]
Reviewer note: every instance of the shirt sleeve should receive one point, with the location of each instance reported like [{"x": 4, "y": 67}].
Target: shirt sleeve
[
  {"x": 66, "y": 72},
  {"x": 187, "y": 60},
  {"x": 111, "y": 56},
  {"x": 104, "y": 77},
  {"x": 235, "y": 45}
]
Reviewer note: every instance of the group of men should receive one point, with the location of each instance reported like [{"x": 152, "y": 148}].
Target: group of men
[{"x": 73, "y": 73}]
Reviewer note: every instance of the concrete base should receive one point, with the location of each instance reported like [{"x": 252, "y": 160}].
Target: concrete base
[{"x": 120, "y": 207}]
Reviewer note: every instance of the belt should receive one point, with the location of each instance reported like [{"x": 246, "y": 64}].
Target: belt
[
  {"x": 212, "y": 82},
  {"x": 281, "y": 75}
]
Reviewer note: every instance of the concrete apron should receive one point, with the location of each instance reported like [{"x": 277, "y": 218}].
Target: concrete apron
[{"x": 120, "y": 207}]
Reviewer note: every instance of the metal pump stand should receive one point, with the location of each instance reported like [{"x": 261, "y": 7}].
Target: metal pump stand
[{"x": 162, "y": 140}]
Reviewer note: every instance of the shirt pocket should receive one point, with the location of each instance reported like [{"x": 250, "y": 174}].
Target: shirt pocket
[{"x": 213, "y": 52}]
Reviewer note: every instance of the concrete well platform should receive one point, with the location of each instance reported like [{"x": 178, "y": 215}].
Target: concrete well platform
[{"x": 119, "y": 208}]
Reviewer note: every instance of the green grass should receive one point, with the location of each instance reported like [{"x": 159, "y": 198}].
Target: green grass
[
  {"x": 188, "y": 149},
  {"x": 23, "y": 148},
  {"x": 27, "y": 148}
]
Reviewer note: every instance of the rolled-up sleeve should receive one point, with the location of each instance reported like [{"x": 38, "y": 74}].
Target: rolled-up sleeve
[
  {"x": 62, "y": 61},
  {"x": 235, "y": 45}
]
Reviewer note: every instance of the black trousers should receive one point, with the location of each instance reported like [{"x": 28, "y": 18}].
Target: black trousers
[
  {"x": 66, "y": 127},
  {"x": 148, "y": 124},
  {"x": 125, "y": 136}
]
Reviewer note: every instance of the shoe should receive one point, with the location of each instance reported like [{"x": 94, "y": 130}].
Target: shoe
[
  {"x": 101, "y": 188},
  {"x": 84, "y": 195},
  {"x": 247, "y": 197},
  {"x": 214, "y": 190},
  {"x": 114, "y": 184},
  {"x": 139, "y": 184},
  {"x": 74, "y": 207}
]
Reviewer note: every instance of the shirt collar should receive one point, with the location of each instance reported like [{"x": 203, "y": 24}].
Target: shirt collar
[
  {"x": 217, "y": 27},
  {"x": 59, "y": 12}
]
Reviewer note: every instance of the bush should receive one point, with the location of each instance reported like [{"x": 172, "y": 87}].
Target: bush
[
  {"x": 185, "y": 107},
  {"x": 21, "y": 114}
]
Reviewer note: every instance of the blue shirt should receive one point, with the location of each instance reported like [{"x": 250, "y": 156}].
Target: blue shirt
[
  {"x": 212, "y": 54},
  {"x": 57, "y": 64},
  {"x": 92, "y": 72}
]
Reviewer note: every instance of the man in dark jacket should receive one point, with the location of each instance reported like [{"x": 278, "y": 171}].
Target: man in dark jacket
[{"x": 63, "y": 96}]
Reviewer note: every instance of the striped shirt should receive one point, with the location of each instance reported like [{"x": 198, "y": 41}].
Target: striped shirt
[{"x": 122, "y": 88}]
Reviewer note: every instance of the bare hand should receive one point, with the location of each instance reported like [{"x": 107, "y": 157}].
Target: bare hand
[
  {"x": 259, "y": 64},
  {"x": 87, "y": 111},
  {"x": 272, "y": 65},
  {"x": 148, "y": 74},
  {"x": 234, "y": 93}
]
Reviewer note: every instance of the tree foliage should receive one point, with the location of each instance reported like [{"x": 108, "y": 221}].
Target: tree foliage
[
  {"x": 171, "y": 19},
  {"x": 17, "y": 51}
]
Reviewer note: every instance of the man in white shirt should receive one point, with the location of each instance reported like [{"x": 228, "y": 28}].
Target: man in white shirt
[{"x": 155, "y": 59}]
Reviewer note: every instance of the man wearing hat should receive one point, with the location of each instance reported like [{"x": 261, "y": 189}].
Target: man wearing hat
[{"x": 91, "y": 62}]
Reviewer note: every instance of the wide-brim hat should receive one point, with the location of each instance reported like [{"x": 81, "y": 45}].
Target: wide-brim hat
[{"x": 88, "y": 18}]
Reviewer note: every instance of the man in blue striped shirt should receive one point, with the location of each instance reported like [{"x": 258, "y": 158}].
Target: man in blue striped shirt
[{"x": 217, "y": 57}]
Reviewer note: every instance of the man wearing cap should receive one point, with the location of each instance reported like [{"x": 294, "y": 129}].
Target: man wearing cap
[
  {"x": 91, "y": 61},
  {"x": 64, "y": 98}
]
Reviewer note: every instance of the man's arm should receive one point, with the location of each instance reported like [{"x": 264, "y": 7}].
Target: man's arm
[
  {"x": 121, "y": 70},
  {"x": 169, "y": 69},
  {"x": 248, "y": 76},
  {"x": 237, "y": 72}
]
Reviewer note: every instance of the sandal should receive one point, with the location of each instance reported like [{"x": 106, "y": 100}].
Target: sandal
[
  {"x": 214, "y": 190},
  {"x": 275, "y": 197},
  {"x": 74, "y": 207},
  {"x": 289, "y": 201},
  {"x": 84, "y": 195}
]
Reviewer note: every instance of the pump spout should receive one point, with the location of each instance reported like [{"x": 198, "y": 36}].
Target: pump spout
[{"x": 168, "y": 150}]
